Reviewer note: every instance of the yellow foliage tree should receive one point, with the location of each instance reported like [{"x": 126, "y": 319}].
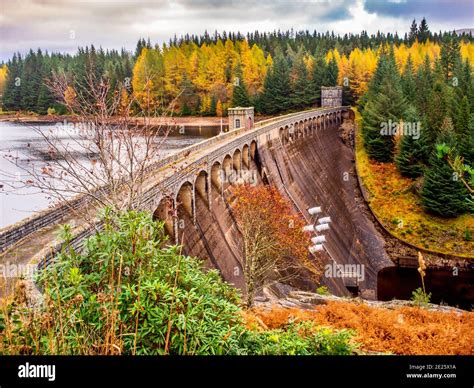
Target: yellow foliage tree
[
  {"x": 147, "y": 81},
  {"x": 174, "y": 71},
  {"x": 124, "y": 101},
  {"x": 70, "y": 98},
  {"x": 254, "y": 67},
  {"x": 3, "y": 78},
  {"x": 219, "y": 110}
]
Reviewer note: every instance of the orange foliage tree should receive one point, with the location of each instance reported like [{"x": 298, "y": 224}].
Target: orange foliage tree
[{"x": 275, "y": 246}]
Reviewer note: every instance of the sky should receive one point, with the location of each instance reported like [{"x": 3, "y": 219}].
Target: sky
[{"x": 64, "y": 25}]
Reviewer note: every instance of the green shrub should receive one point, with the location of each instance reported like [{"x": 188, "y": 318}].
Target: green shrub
[
  {"x": 467, "y": 235},
  {"x": 322, "y": 290},
  {"x": 420, "y": 297},
  {"x": 304, "y": 338},
  {"x": 130, "y": 293}
]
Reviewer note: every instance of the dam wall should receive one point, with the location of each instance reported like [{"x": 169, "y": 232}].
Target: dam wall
[
  {"x": 318, "y": 170},
  {"x": 315, "y": 170}
]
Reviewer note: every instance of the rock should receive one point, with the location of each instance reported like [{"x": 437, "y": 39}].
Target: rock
[{"x": 308, "y": 300}]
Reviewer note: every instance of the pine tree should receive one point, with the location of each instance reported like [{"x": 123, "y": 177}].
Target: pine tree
[
  {"x": 408, "y": 82},
  {"x": 13, "y": 87},
  {"x": 348, "y": 98},
  {"x": 332, "y": 72},
  {"x": 382, "y": 108},
  {"x": 300, "y": 96},
  {"x": 31, "y": 80},
  {"x": 276, "y": 95},
  {"x": 45, "y": 99},
  {"x": 461, "y": 119},
  {"x": 189, "y": 99},
  {"x": 423, "y": 31},
  {"x": 467, "y": 143},
  {"x": 375, "y": 83},
  {"x": 213, "y": 107},
  {"x": 185, "y": 111},
  {"x": 413, "y": 34},
  {"x": 424, "y": 84},
  {"x": 409, "y": 159},
  {"x": 443, "y": 193},
  {"x": 437, "y": 110},
  {"x": 240, "y": 95},
  {"x": 318, "y": 78},
  {"x": 45, "y": 96},
  {"x": 450, "y": 55}
]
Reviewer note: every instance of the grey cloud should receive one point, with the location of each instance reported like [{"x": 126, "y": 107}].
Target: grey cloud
[
  {"x": 32, "y": 23},
  {"x": 26, "y": 24},
  {"x": 436, "y": 10}
]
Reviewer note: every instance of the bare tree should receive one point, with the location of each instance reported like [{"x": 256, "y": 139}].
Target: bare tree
[{"x": 107, "y": 149}]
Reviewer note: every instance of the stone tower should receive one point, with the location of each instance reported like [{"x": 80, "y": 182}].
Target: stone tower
[
  {"x": 331, "y": 96},
  {"x": 241, "y": 117}
]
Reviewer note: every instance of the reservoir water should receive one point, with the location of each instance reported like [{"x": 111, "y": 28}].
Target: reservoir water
[{"x": 22, "y": 147}]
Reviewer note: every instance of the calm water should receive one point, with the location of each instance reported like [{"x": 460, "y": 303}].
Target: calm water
[{"x": 22, "y": 147}]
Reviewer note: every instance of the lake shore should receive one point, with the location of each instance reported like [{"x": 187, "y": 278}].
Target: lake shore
[
  {"x": 188, "y": 121},
  {"x": 166, "y": 120}
]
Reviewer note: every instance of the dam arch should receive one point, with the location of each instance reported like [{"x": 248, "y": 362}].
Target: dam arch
[
  {"x": 201, "y": 186},
  {"x": 306, "y": 127},
  {"x": 165, "y": 212},
  {"x": 185, "y": 199},
  {"x": 237, "y": 160},
  {"x": 216, "y": 176},
  {"x": 253, "y": 149},
  {"x": 246, "y": 156},
  {"x": 227, "y": 167}
]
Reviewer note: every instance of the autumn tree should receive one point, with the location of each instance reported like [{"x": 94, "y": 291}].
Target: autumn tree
[
  {"x": 174, "y": 72},
  {"x": 3, "y": 78},
  {"x": 361, "y": 66},
  {"x": 148, "y": 85},
  {"x": 275, "y": 248},
  {"x": 219, "y": 109}
]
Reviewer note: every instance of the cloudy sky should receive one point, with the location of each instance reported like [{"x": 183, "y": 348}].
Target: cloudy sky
[{"x": 63, "y": 25}]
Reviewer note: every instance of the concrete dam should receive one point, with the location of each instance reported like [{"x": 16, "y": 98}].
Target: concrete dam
[
  {"x": 309, "y": 168},
  {"x": 308, "y": 158}
]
